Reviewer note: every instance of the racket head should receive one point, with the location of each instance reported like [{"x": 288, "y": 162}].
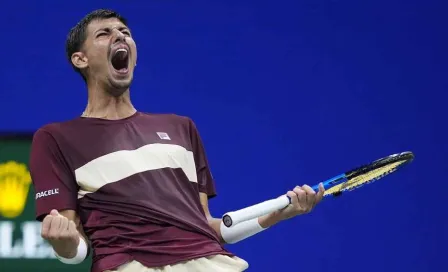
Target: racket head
[{"x": 366, "y": 174}]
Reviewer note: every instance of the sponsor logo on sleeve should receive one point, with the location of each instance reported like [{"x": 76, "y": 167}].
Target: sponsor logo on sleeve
[{"x": 47, "y": 193}]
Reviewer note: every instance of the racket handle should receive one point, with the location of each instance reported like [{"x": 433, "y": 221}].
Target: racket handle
[{"x": 232, "y": 218}]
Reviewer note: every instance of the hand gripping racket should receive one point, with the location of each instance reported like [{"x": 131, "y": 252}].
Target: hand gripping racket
[{"x": 347, "y": 181}]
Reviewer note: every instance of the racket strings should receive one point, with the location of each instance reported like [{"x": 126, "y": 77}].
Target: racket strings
[{"x": 364, "y": 178}]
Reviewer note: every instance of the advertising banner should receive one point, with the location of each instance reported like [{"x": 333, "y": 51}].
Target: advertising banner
[{"x": 21, "y": 246}]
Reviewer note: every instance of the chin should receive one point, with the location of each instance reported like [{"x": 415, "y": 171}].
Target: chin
[
  {"x": 120, "y": 81},
  {"x": 118, "y": 88}
]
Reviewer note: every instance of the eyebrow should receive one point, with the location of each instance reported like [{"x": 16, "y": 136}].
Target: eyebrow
[{"x": 121, "y": 28}]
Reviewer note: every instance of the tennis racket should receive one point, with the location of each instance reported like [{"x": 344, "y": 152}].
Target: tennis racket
[{"x": 335, "y": 186}]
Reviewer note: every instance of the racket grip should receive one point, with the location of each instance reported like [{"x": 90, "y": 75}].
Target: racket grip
[
  {"x": 232, "y": 218},
  {"x": 315, "y": 188}
]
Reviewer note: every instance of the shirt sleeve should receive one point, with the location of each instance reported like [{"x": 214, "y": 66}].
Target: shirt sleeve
[
  {"x": 53, "y": 181},
  {"x": 205, "y": 179}
]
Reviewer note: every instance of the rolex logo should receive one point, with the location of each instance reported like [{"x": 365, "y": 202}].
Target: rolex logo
[{"x": 15, "y": 181}]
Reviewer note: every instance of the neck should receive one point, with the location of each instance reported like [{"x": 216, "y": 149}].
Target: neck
[{"x": 101, "y": 104}]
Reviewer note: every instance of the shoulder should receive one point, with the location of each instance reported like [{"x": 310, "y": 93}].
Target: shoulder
[
  {"x": 171, "y": 118},
  {"x": 54, "y": 130}
]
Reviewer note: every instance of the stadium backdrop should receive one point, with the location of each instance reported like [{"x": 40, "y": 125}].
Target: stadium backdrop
[{"x": 282, "y": 94}]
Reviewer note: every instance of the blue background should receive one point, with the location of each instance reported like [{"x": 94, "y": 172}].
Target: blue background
[{"x": 283, "y": 94}]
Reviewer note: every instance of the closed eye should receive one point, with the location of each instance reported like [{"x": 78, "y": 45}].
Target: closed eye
[
  {"x": 101, "y": 34},
  {"x": 125, "y": 31}
]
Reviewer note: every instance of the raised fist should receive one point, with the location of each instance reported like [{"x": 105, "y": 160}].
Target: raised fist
[{"x": 61, "y": 233}]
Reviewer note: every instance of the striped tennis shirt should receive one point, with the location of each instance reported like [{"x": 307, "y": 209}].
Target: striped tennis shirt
[{"x": 135, "y": 184}]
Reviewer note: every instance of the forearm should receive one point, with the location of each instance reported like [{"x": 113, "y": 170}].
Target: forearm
[
  {"x": 240, "y": 231},
  {"x": 68, "y": 250},
  {"x": 215, "y": 224},
  {"x": 265, "y": 222},
  {"x": 269, "y": 220}
]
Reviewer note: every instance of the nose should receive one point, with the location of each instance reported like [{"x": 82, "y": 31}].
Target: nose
[{"x": 118, "y": 36}]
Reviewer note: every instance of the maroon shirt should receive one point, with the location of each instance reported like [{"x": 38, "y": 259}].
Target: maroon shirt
[{"x": 134, "y": 183}]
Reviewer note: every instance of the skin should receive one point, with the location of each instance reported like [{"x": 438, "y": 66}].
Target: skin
[
  {"x": 108, "y": 92},
  {"x": 303, "y": 200},
  {"x": 63, "y": 231},
  {"x": 108, "y": 98}
]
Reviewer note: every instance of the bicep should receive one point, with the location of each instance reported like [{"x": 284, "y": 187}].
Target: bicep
[
  {"x": 52, "y": 178},
  {"x": 214, "y": 223},
  {"x": 204, "y": 203}
]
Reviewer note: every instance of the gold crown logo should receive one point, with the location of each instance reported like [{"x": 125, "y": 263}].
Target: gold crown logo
[{"x": 15, "y": 180}]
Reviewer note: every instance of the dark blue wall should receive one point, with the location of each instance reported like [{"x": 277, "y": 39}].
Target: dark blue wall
[{"x": 309, "y": 88}]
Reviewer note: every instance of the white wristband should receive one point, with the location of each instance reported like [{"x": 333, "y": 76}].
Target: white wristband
[
  {"x": 81, "y": 254},
  {"x": 240, "y": 231}
]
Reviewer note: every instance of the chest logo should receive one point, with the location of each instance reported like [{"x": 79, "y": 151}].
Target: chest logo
[{"x": 163, "y": 135}]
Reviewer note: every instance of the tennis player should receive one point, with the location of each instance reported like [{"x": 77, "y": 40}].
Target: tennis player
[{"x": 132, "y": 187}]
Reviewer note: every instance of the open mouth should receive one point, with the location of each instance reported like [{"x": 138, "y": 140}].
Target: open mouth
[{"x": 120, "y": 60}]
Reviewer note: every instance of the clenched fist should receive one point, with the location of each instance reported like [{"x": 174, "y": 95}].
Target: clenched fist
[{"x": 61, "y": 233}]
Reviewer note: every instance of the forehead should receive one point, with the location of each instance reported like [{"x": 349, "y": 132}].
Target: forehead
[{"x": 104, "y": 23}]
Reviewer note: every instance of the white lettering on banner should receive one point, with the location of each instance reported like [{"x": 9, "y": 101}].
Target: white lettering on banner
[
  {"x": 47, "y": 193},
  {"x": 30, "y": 245}
]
